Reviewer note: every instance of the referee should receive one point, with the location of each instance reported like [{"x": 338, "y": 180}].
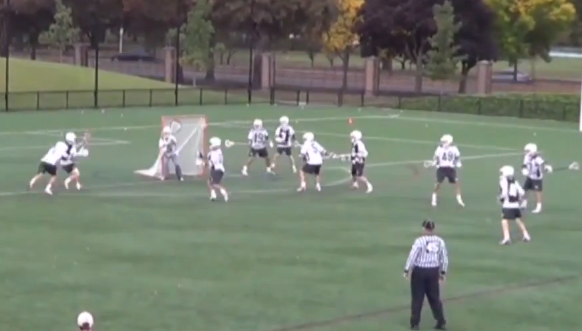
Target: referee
[{"x": 426, "y": 266}]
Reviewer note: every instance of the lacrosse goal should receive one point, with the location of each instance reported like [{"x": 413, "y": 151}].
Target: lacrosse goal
[{"x": 190, "y": 132}]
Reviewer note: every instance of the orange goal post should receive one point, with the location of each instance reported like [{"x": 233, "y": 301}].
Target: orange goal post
[{"x": 190, "y": 132}]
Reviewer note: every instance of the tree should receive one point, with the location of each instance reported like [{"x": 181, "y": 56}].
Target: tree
[
  {"x": 264, "y": 20},
  {"x": 94, "y": 18},
  {"x": 29, "y": 19},
  {"x": 527, "y": 28},
  {"x": 341, "y": 38},
  {"x": 403, "y": 28},
  {"x": 443, "y": 58},
  {"x": 199, "y": 41},
  {"x": 152, "y": 19},
  {"x": 62, "y": 32}
]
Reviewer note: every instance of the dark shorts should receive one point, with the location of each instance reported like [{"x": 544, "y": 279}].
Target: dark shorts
[
  {"x": 312, "y": 169},
  {"x": 45, "y": 168},
  {"x": 358, "y": 169},
  {"x": 284, "y": 151},
  {"x": 511, "y": 214},
  {"x": 449, "y": 174},
  {"x": 69, "y": 168},
  {"x": 533, "y": 185},
  {"x": 261, "y": 152},
  {"x": 216, "y": 176}
]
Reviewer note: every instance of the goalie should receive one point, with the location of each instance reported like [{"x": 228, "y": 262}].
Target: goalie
[{"x": 168, "y": 145}]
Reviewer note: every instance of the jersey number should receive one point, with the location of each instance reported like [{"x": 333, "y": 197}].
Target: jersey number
[
  {"x": 432, "y": 248},
  {"x": 450, "y": 156},
  {"x": 259, "y": 138}
]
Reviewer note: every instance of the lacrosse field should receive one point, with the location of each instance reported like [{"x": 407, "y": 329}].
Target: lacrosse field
[{"x": 141, "y": 254}]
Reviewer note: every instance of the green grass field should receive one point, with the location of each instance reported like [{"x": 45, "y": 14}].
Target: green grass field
[
  {"x": 35, "y": 85},
  {"x": 558, "y": 68},
  {"x": 146, "y": 255}
]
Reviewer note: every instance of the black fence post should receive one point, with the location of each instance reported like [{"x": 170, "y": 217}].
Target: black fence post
[
  {"x": 251, "y": 37},
  {"x": 67, "y": 100},
  {"x": 362, "y": 98},
  {"x": 7, "y": 39},
  {"x": 151, "y": 98},
  {"x": 226, "y": 96},
  {"x": 297, "y": 97},
  {"x": 38, "y": 100},
  {"x": 177, "y": 54},
  {"x": 200, "y": 97},
  {"x": 272, "y": 95},
  {"x": 307, "y": 97},
  {"x": 123, "y": 98}
]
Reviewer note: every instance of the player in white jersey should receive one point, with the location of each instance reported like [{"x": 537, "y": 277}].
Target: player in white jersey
[
  {"x": 50, "y": 162},
  {"x": 533, "y": 169},
  {"x": 358, "y": 157},
  {"x": 447, "y": 159},
  {"x": 511, "y": 195},
  {"x": 312, "y": 153},
  {"x": 168, "y": 145},
  {"x": 214, "y": 160},
  {"x": 285, "y": 138},
  {"x": 259, "y": 144},
  {"x": 68, "y": 163}
]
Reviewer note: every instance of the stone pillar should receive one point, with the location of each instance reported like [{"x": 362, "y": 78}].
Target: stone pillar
[
  {"x": 267, "y": 64},
  {"x": 170, "y": 64},
  {"x": 81, "y": 55},
  {"x": 371, "y": 75},
  {"x": 484, "y": 77}
]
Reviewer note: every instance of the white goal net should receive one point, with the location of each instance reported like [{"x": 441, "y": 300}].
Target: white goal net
[{"x": 190, "y": 132}]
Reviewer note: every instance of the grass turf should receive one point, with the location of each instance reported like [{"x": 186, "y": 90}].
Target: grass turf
[
  {"x": 558, "y": 68},
  {"x": 158, "y": 256},
  {"x": 45, "y": 85}
]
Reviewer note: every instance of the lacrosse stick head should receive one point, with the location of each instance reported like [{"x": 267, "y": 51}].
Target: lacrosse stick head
[
  {"x": 428, "y": 164},
  {"x": 574, "y": 166},
  {"x": 228, "y": 143}
]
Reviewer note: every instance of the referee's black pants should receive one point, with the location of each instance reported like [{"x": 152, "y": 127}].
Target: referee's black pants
[{"x": 425, "y": 281}]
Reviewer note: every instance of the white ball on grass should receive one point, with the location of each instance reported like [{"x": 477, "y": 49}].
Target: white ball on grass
[
  {"x": 102, "y": 111},
  {"x": 121, "y": 115},
  {"x": 124, "y": 129},
  {"x": 535, "y": 134}
]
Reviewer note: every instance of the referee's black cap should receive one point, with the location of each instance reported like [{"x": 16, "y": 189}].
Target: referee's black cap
[{"x": 428, "y": 224}]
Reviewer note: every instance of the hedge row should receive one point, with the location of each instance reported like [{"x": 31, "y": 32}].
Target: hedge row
[{"x": 551, "y": 107}]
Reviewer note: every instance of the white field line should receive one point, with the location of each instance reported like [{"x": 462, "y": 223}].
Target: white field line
[
  {"x": 91, "y": 190},
  {"x": 390, "y": 139},
  {"x": 47, "y": 146},
  {"x": 233, "y": 122},
  {"x": 429, "y": 120},
  {"x": 93, "y": 139}
]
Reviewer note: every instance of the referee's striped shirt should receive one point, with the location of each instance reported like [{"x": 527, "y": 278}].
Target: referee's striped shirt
[{"x": 428, "y": 251}]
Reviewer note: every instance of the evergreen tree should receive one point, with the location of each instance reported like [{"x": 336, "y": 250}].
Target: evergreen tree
[
  {"x": 199, "y": 41},
  {"x": 62, "y": 32},
  {"x": 443, "y": 58}
]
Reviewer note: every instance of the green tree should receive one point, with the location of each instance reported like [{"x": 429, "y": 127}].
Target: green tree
[
  {"x": 199, "y": 38},
  {"x": 62, "y": 32},
  {"x": 443, "y": 58}
]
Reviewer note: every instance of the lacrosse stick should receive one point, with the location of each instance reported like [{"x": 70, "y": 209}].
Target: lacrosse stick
[
  {"x": 229, "y": 143},
  {"x": 571, "y": 166}
]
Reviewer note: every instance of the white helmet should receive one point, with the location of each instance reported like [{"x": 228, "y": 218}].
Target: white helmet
[
  {"x": 507, "y": 171},
  {"x": 215, "y": 142},
  {"x": 446, "y": 139},
  {"x": 166, "y": 130},
  {"x": 70, "y": 137},
  {"x": 284, "y": 120},
  {"x": 258, "y": 123},
  {"x": 85, "y": 320},
  {"x": 356, "y": 135},
  {"x": 308, "y": 136},
  {"x": 531, "y": 148}
]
